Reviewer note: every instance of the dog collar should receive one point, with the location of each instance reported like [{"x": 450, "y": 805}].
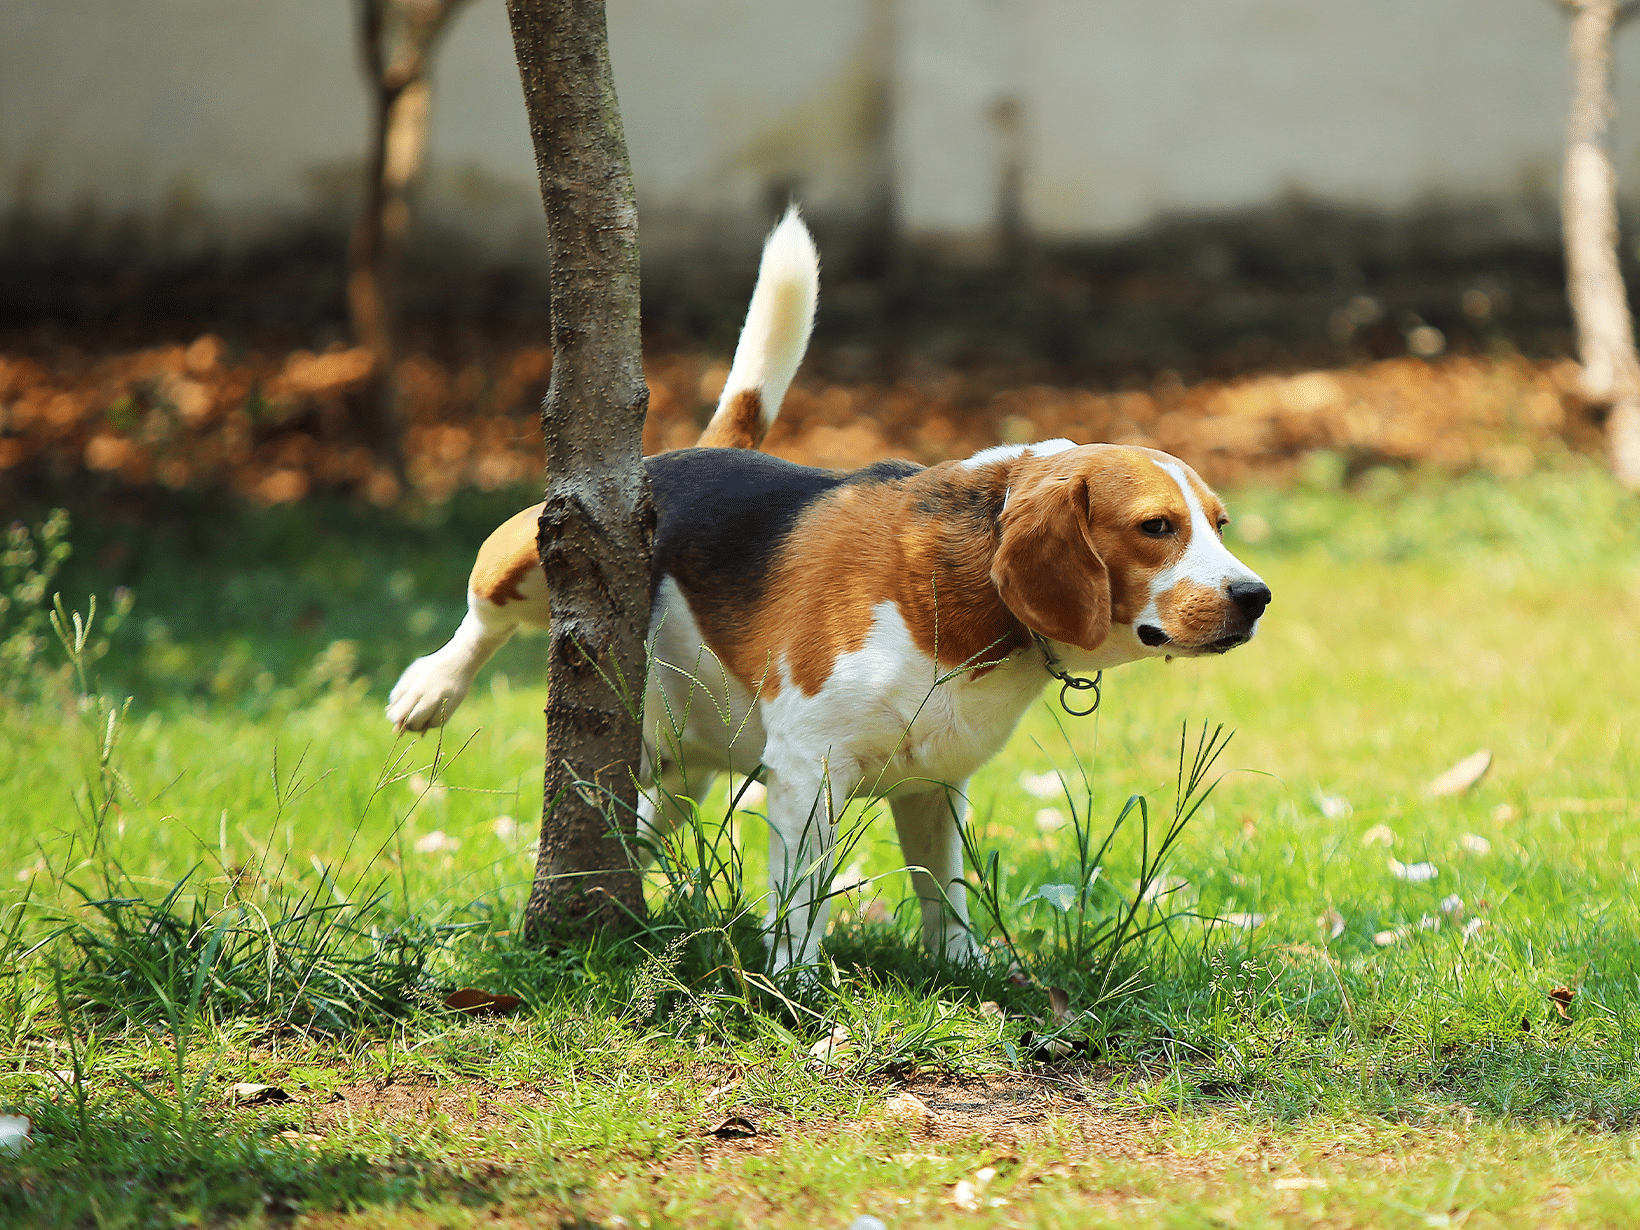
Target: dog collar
[{"x": 1068, "y": 682}]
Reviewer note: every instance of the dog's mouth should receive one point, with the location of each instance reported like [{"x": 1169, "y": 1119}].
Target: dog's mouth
[{"x": 1155, "y": 638}]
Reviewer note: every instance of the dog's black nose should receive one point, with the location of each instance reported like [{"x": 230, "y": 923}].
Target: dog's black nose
[{"x": 1251, "y": 596}]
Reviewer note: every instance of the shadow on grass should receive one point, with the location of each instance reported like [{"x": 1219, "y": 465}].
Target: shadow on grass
[{"x": 122, "y": 1169}]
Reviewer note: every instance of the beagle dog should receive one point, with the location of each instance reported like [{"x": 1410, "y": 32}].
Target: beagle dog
[{"x": 875, "y": 633}]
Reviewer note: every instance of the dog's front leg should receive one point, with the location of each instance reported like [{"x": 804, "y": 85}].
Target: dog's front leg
[
  {"x": 932, "y": 847},
  {"x": 804, "y": 807}
]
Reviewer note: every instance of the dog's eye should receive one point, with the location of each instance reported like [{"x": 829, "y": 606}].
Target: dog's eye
[
  {"x": 1223, "y": 521},
  {"x": 1156, "y": 527}
]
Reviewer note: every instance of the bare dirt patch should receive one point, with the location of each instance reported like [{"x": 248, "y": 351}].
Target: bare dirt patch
[
  {"x": 467, "y": 1105},
  {"x": 1006, "y": 1111}
]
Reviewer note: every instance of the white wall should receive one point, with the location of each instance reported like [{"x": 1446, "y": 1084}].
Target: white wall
[
  {"x": 224, "y": 117},
  {"x": 245, "y": 112},
  {"x": 960, "y": 79},
  {"x": 1181, "y": 105}
]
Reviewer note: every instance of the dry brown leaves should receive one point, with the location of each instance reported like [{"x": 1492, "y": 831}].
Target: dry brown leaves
[
  {"x": 274, "y": 425},
  {"x": 475, "y": 1002}
]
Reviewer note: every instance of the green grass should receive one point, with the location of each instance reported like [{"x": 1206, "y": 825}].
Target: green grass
[{"x": 1412, "y": 1068}]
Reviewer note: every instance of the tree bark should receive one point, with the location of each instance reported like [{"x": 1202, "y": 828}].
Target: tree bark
[
  {"x": 396, "y": 43},
  {"x": 597, "y": 522},
  {"x": 1594, "y": 278}
]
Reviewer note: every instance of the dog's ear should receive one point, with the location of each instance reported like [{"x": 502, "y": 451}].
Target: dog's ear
[{"x": 1045, "y": 566}]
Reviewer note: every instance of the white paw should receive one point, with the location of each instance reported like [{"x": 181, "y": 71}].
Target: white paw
[
  {"x": 427, "y": 693},
  {"x": 789, "y": 952},
  {"x": 959, "y": 946}
]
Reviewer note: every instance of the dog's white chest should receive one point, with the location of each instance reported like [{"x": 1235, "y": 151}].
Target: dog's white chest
[{"x": 890, "y": 719}]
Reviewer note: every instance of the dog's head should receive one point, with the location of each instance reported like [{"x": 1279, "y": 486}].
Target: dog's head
[{"x": 1105, "y": 537}]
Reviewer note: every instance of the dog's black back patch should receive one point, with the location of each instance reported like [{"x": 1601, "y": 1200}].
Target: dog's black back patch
[{"x": 722, "y": 513}]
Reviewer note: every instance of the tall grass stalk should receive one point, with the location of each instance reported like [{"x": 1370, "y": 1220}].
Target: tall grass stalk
[{"x": 1094, "y": 925}]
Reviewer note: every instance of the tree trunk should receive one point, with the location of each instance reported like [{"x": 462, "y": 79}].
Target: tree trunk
[
  {"x": 1594, "y": 279},
  {"x": 597, "y": 521},
  {"x": 396, "y": 42}
]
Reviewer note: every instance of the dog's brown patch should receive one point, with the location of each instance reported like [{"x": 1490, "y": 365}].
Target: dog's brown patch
[
  {"x": 506, "y": 557},
  {"x": 736, "y": 424},
  {"x": 1046, "y": 568},
  {"x": 1126, "y": 489},
  {"x": 922, "y": 541}
]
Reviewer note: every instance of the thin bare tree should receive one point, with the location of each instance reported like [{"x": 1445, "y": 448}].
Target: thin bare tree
[
  {"x": 1594, "y": 277},
  {"x": 598, "y": 521},
  {"x": 397, "y": 39}
]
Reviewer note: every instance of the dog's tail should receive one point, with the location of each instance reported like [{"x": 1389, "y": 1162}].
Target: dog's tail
[{"x": 773, "y": 340}]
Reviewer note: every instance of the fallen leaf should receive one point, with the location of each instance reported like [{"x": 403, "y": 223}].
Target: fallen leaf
[
  {"x": 717, "y": 1093},
  {"x": 1244, "y": 922},
  {"x": 990, "y": 1008},
  {"x": 1050, "y": 1050},
  {"x": 1378, "y": 835},
  {"x": 473, "y": 1000},
  {"x": 1461, "y": 776},
  {"x": 1452, "y": 907},
  {"x": 1562, "y": 998},
  {"x": 1332, "y": 922},
  {"x": 832, "y": 1048},
  {"x": 1503, "y": 813},
  {"x": 1385, "y": 938},
  {"x": 1061, "y": 896},
  {"x": 1334, "y": 806},
  {"x": 436, "y": 841},
  {"x": 1050, "y": 820},
  {"x": 1472, "y": 926},
  {"x": 1413, "y": 873},
  {"x": 735, "y": 1127},
  {"x": 966, "y": 1193},
  {"x": 1042, "y": 785},
  {"x": 905, "y": 1105},
  {"x": 14, "y": 1133},
  {"x": 245, "y": 1093},
  {"x": 1475, "y": 843},
  {"x": 1298, "y": 1183},
  {"x": 1059, "y": 1003}
]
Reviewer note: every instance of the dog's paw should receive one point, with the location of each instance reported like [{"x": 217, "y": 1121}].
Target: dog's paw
[
  {"x": 427, "y": 693},
  {"x": 959, "y": 947}
]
